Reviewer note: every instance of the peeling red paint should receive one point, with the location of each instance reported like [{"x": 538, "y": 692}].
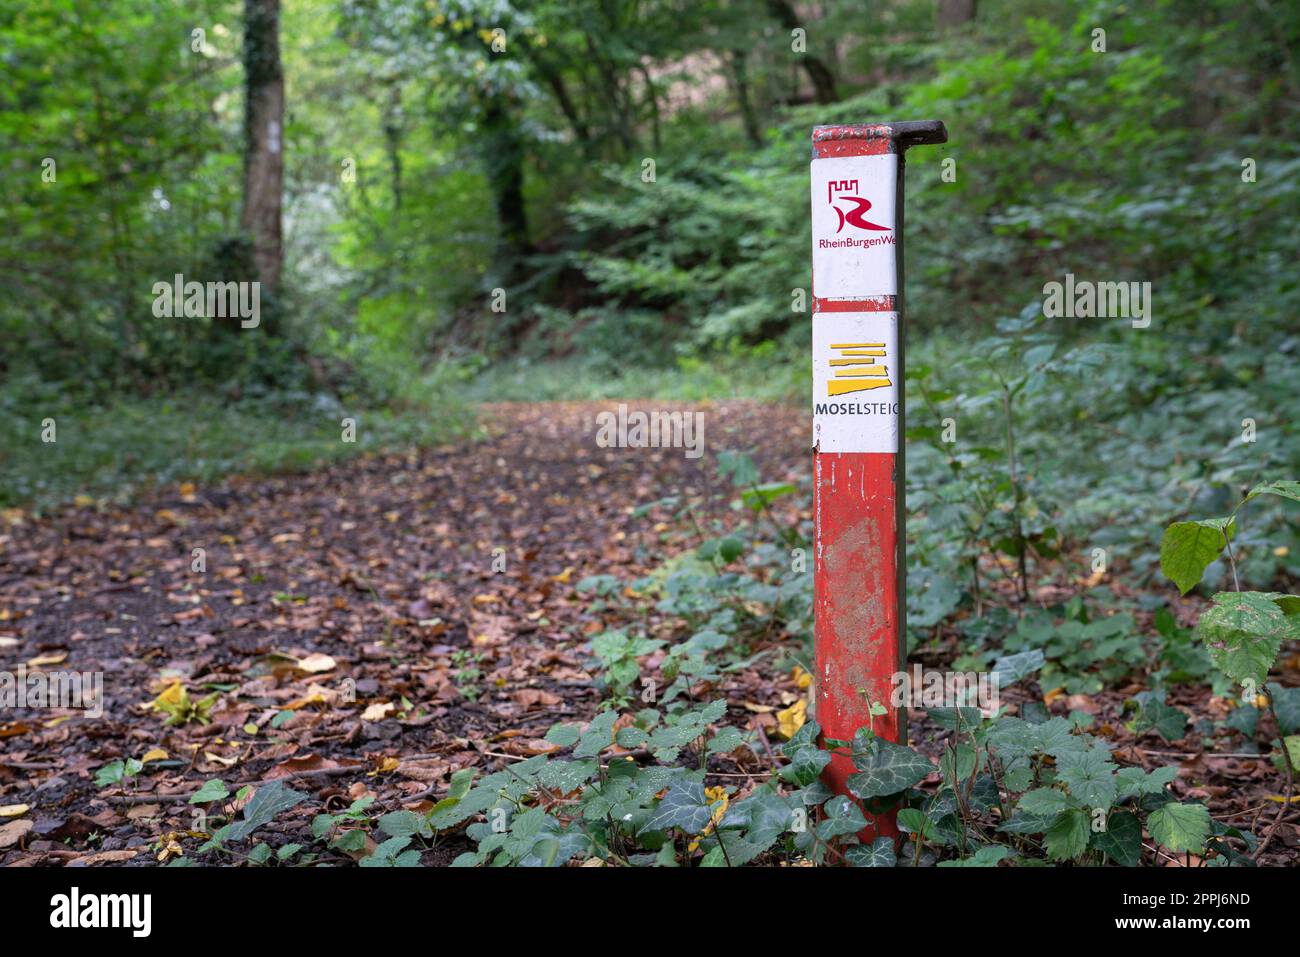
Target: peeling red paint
[
  {"x": 869, "y": 304},
  {"x": 852, "y": 141},
  {"x": 855, "y": 601}
]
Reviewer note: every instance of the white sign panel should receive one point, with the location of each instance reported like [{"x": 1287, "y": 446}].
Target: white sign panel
[
  {"x": 856, "y": 381},
  {"x": 853, "y": 226}
]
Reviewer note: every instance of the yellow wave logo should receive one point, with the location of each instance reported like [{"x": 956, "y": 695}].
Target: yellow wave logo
[{"x": 856, "y": 369}]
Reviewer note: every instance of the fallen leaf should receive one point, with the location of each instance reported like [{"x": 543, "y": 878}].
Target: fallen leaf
[
  {"x": 13, "y": 810},
  {"x": 105, "y": 857},
  {"x": 12, "y": 833},
  {"x": 792, "y": 718},
  {"x": 316, "y": 662},
  {"x": 378, "y": 711},
  {"x": 154, "y": 754},
  {"x": 299, "y": 765},
  {"x": 56, "y": 659}
]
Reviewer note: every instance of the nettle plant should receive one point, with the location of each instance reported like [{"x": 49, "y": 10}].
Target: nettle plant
[
  {"x": 1041, "y": 789},
  {"x": 1243, "y": 631}
]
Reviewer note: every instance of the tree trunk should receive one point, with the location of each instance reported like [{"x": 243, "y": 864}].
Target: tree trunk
[
  {"x": 819, "y": 73},
  {"x": 953, "y": 13},
  {"x": 740, "y": 79},
  {"x": 503, "y": 155},
  {"x": 263, "y": 143}
]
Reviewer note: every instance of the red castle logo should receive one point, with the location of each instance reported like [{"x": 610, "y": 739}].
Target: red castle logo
[{"x": 854, "y": 216}]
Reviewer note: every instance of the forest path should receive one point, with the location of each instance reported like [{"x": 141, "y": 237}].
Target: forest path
[{"x": 380, "y": 578}]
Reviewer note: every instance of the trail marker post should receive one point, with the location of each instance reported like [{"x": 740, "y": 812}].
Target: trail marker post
[{"x": 858, "y": 506}]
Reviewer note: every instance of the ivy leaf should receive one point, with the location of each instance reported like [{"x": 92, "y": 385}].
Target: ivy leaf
[
  {"x": 1122, "y": 839},
  {"x": 806, "y": 759},
  {"x": 984, "y": 857},
  {"x": 843, "y": 817},
  {"x": 684, "y": 806},
  {"x": 1067, "y": 838},
  {"x": 1187, "y": 548},
  {"x": 1243, "y": 632},
  {"x": 1180, "y": 827},
  {"x": 892, "y": 768},
  {"x": 879, "y": 853}
]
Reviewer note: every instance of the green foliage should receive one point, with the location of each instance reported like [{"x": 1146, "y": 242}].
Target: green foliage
[{"x": 1243, "y": 630}]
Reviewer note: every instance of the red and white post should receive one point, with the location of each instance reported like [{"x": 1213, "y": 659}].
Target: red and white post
[{"x": 858, "y": 507}]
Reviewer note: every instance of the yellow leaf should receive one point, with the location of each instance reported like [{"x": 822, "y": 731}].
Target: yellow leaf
[
  {"x": 173, "y": 696},
  {"x": 1281, "y": 551},
  {"x": 1276, "y": 798},
  {"x": 154, "y": 754},
  {"x": 13, "y": 810},
  {"x": 187, "y": 488},
  {"x": 81, "y": 501},
  {"x": 250, "y": 728},
  {"x": 385, "y": 766},
  {"x": 802, "y": 679},
  {"x": 564, "y": 576},
  {"x": 1052, "y": 695},
  {"x": 792, "y": 718}
]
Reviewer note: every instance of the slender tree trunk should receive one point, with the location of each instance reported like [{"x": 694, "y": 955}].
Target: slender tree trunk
[
  {"x": 823, "y": 80},
  {"x": 264, "y": 134},
  {"x": 394, "y": 130},
  {"x": 503, "y": 155},
  {"x": 740, "y": 78}
]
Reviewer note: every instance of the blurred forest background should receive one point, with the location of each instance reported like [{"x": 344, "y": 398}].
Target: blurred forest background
[{"x": 436, "y": 150}]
